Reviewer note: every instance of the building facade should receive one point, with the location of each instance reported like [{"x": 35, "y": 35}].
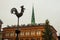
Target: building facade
[{"x": 29, "y": 32}]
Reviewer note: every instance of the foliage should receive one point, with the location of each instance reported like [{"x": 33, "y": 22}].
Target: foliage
[{"x": 47, "y": 33}]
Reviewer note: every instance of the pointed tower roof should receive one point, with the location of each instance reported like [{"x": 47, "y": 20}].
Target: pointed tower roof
[{"x": 33, "y": 16}]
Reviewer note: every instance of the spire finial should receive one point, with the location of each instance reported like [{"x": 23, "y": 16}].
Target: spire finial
[{"x": 33, "y": 17}]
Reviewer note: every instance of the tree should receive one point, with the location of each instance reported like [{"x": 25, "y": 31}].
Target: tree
[{"x": 47, "y": 33}]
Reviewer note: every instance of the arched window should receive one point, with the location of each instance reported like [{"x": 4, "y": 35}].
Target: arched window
[
  {"x": 32, "y": 32},
  {"x": 27, "y": 33},
  {"x": 21, "y": 33},
  {"x": 38, "y": 32},
  {"x": 11, "y": 34},
  {"x": 7, "y": 34}
]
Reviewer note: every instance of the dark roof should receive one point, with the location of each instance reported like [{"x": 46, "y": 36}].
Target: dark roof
[{"x": 29, "y": 25}]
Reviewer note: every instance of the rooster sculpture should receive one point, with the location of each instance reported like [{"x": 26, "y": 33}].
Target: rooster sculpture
[{"x": 14, "y": 10}]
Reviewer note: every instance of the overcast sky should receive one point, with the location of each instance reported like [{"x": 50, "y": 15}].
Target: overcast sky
[{"x": 43, "y": 9}]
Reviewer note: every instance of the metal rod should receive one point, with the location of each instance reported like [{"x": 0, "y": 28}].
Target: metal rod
[
  {"x": 17, "y": 30},
  {"x": 17, "y": 36},
  {"x": 18, "y": 22}
]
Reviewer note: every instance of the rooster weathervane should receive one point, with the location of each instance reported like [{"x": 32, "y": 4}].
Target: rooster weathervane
[{"x": 14, "y": 11}]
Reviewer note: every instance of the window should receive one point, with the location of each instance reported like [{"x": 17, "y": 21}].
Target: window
[
  {"x": 5, "y": 39},
  {"x": 27, "y": 33},
  {"x": 38, "y": 38},
  {"x": 38, "y": 32},
  {"x": 11, "y": 34},
  {"x": 33, "y": 33},
  {"x": 21, "y": 33},
  {"x": 7, "y": 34}
]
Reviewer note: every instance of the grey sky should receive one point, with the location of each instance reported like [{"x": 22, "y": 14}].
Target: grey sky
[{"x": 44, "y": 9}]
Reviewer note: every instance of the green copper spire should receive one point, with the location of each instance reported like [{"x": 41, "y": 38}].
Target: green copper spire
[{"x": 33, "y": 17}]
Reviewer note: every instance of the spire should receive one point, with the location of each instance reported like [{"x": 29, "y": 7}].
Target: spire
[{"x": 33, "y": 17}]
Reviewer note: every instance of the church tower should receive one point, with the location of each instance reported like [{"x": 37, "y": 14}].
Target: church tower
[
  {"x": 1, "y": 24},
  {"x": 33, "y": 17}
]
